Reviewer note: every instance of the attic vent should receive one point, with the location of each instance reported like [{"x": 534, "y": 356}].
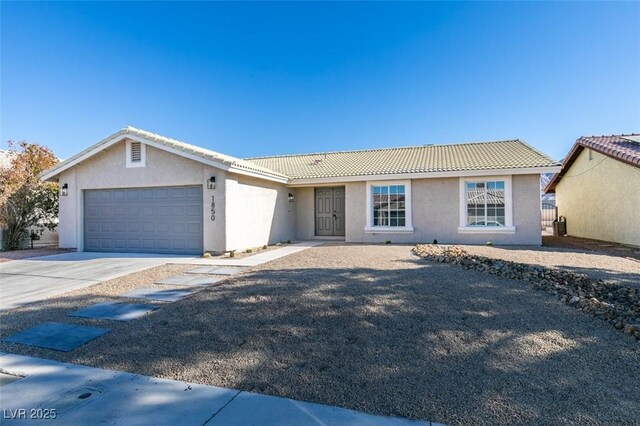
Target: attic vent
[{"x": 136, "y": 152}]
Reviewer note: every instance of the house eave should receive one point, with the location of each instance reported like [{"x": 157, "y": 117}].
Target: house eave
[
  {"x": 124, "y": 134},
  {"x": 425, "y": 175}
]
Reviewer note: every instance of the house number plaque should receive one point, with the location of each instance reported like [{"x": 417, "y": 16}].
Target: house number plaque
[{"x": 213, "y": 208}]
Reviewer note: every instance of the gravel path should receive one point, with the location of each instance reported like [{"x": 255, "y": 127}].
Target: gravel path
[
  {"x": 372, "y": 328},
  {"x": 597, "y": 265}
]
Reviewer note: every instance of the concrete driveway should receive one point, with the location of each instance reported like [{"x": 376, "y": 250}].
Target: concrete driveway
[{"x": 29, "y": 280}]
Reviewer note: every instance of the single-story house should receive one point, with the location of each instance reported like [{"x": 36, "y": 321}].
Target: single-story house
[
  {"x": 598, "y": 189},
  {"x": 136, "y": 191}
]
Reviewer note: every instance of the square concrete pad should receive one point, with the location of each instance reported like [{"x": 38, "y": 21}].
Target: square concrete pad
[
  {"x": 58, "y": 336},
  {"x": 114, "y": 311},
  {"x": 188, "y": 280},
  {"x": 168, "y": 295},
  {"x": 216, "y": 270},
  {"x": 176, "y": 280}
]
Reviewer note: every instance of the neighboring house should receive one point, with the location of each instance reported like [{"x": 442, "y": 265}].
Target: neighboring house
[
  {"x": 135, "y": 191},
  {"x": 46, "y": 237},
  {"x": 598, "y": 189}
]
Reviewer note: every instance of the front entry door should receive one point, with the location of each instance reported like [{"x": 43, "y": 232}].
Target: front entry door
[{"x": 330, "y": 211}]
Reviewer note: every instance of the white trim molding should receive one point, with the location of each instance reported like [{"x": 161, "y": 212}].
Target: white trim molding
[
  {"x": 485, "y": 174},
  {"x": 509, "y": 227},
  {"x": 124, "y": 134},
  {"x": 370, "y": 228}
]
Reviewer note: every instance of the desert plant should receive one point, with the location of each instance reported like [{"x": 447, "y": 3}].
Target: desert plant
[
  {"x": 26, "y": 201},
  {"x": 206, "y": 254},
  {"x": 264, "y": 247},
  {"x": 232, "y": 253},
  {"x": 388, "y": 242},
  {"x": 490, "y": 243}
]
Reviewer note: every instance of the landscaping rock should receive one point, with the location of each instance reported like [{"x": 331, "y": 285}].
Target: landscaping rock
[{"x": 616, "y": 304}]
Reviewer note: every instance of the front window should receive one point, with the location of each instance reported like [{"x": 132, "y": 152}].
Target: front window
[
  {"x": 389, "y": 205},
  {"x": 485, "y": 203}
]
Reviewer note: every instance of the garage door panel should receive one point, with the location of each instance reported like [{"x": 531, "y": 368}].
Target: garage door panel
[{"x": 154, "y": 220}]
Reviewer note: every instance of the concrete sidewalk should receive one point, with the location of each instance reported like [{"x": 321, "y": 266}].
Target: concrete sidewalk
[
  {"x": 80, "y": 395},
  {"x": 257, "y": 259}
]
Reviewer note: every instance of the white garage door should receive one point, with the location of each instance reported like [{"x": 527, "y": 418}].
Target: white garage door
[{"x": 144, "y": 220}]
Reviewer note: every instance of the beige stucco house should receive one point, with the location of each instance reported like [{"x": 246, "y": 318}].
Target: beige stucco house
[
  {"x": 135, "y": 191},
  {"x": 598, "y": 189}
]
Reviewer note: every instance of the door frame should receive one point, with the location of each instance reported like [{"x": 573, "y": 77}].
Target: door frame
[{"x": 315, "y": 211}]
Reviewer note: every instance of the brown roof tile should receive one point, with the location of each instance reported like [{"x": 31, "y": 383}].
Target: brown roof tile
[{"x": 625, "y": 148}]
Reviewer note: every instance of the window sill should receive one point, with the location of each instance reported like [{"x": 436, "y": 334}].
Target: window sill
[
  {"x": 486, "y": 230},
  {"x": 388, "y": 230}
]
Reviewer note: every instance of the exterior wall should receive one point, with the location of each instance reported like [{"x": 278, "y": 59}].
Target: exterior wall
[
  {"x": 108, "y": 170},
  {"x": 305, "y": 213},
  {"x": 258, "y": 212},
  {"x": 600, "y": 199},
  {"x": 436, "y": 204}
]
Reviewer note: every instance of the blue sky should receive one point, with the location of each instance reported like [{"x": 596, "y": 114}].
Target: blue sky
[{"x": 252, "y": 79}]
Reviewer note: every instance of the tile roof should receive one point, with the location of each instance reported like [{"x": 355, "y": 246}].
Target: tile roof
[
  {"x": 621, "y": 147},
  {"x": 509, "y": 154},
  {"x": 238, "y": 164},
  {"x": 202, "y": 152},
  {"x": 625, "y": 148}
]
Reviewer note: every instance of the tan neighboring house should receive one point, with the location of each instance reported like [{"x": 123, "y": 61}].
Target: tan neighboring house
[
  {"x": 136, "y": 191},
  {"x": 598, "y": 189}
]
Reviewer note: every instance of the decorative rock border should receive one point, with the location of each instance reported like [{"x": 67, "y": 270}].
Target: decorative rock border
[{"x": 613, "y": 303}]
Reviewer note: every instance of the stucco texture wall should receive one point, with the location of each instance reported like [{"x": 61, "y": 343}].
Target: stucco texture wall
[
  {"x": 601, "y": 199},
  {"x": 305, "y": 213},
  {"x": 258, "y": 212},
  {"x": 108, "y": 170},
  {"x": 436, "y": 214}
]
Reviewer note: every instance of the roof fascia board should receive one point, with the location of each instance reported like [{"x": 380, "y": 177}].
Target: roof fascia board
[
  {"x": 122, "y": 135},
  {"x": 179, "y": 152},
  {"x": 256, "y": 174},
  {"x": 90, "y": 152},
  {"x": 427, "y": 175}
]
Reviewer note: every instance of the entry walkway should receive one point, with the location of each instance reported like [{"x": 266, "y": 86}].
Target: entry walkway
[
  {"x": 81, "y": 395},
  {"x": 257, "y": 259}
]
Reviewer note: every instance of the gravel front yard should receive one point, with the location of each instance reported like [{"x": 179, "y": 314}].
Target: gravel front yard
[
  {"x": 6, "y": 256},
  {"x": 371, "y": 328},
  {"x": 597, "y": 265}
]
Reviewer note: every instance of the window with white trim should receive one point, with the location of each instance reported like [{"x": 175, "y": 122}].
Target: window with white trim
[
  {"x": 389, "y": 205},
  {"x": 135, "y": 154},
  {"x": 485, "y": 203}
]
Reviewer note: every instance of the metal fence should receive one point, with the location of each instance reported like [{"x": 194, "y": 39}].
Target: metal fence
[{"x": 549, "y": 214}]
